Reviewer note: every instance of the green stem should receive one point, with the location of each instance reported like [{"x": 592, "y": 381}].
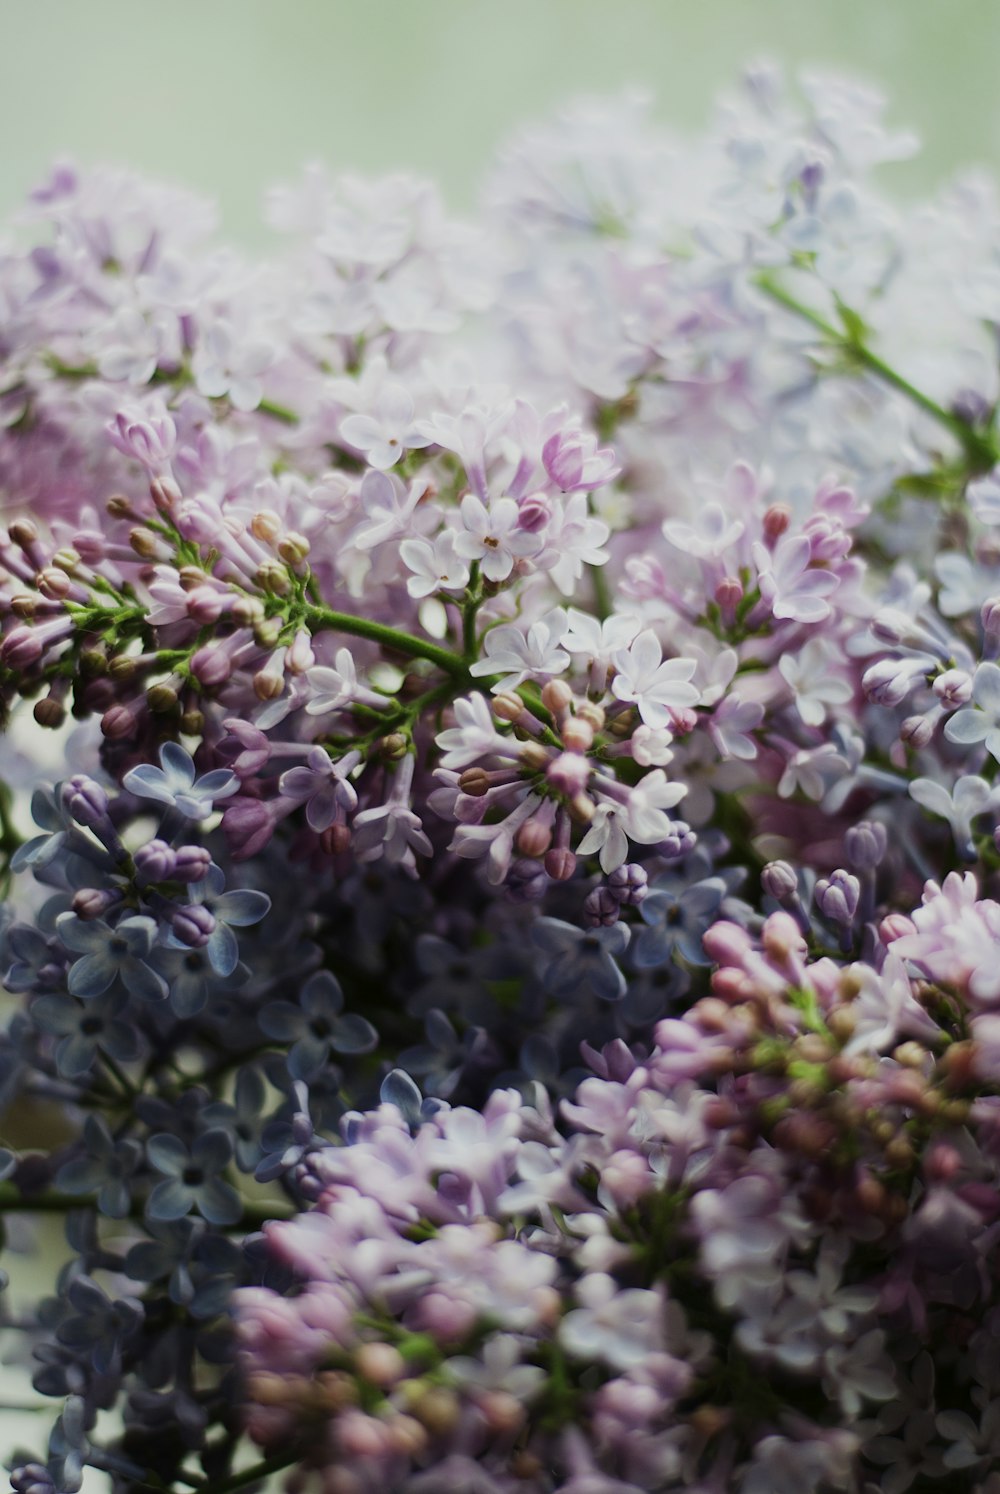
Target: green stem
[
  {"x": 278, "y": 412},
  {"x": 50, "y": 1202},
  {"x": 319, "y": 618},
  {"x": 980, "y": 450},
  {"x": 250, "y": 1475}
]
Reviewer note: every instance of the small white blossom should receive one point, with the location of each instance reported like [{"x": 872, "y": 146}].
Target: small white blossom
[{"x": 656, "y": 687}]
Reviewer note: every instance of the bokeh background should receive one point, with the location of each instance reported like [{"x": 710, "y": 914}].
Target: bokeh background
[{"x": 230, "y": 95}]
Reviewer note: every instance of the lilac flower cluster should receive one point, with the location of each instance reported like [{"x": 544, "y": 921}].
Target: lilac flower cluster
[{"x": 532, "y": 838}]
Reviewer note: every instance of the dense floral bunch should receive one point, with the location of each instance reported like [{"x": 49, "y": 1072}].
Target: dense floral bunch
[{"x": 510, "y": 964}]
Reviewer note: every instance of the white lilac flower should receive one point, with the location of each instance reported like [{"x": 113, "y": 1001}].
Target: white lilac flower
[
  {"x": 388, "y": 509},
  {"x": 789, "y": 585},
  {"x": 392, "y": 829},
  {"x": 572, "y": 540},
  {"x": 473, "y": 736},
  {"x": 658, "y": 688},
  {"x": 622, "y": 1327},
  {"x": 109, "y": 954},
  {"x": 714, "y": 531},
  {"x": 730, "y": 725},
  {"x": 606, "y": 835},
  {"x": 983, "y": 497},
  {"x": 812, "y": 678},
  {"x": 651, "y": 746},
  {"x": 597, "y": 640},
  {"x": 174, "y": 783},
  {"x": 971, "y": 797},
  {"x": 223, "y": 365},
  {"x": 332, "y": 689},
  {"x": 492, "y": 537},
  {"x": 436, "y": 565},
  {"x": 533, "y": 654},
  {"x": 385, "y": 432},
  {"x": 979, "y": 722}
]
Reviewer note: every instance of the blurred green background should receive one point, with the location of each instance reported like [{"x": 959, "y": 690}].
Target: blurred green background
[{"x": 229, "y": 95}]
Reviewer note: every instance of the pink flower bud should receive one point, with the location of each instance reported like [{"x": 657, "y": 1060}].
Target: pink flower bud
[{"x": 560, "y": 863}]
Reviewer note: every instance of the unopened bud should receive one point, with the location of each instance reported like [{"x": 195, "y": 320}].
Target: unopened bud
[
  {"x": 93, "y": 663},
  {"x": 776, "y": 521},
  {"x": 192, "y": 723},
  {"x": 508, "y": 707},
  {"x": 267, "y": 686},
  {"x": 779, "y": 881},
  {"x": 273, "y": 577},
  {"x": 53, "y": 583},
  {"x": 49, "y": 712},
  {"x": 593, "y": 714},
  {"x": 577, "y": 735},
  {"x": 144, "y": 542},
  {"x": 122, "y": 668},
  {"x": 916, "y": 732},
  {"x": 474, "y": 781},
  {"x": 248, "y": 612},
  {"x": 267, "y": 632},
  {"x": 335, "y": 839},
  {"x": 162, "y": 698},
  {"x": 557, "y": 697},
  {"x": 120, "y": 507},
  {"x": 266, "y": 526},
  {"x": 294, "y": 548},
  {"x": 165, "y": 493},
  {"x": 560, "y": 863},
  {"x": 23, "y": 532},
  {"x": 117, "y": 722},
  {"x": 393, "y": 747},
  {"x": 534, "y": 837},
  {"x": 380, "y": 1364}
]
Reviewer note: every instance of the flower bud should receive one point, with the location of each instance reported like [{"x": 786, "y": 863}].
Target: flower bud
[
  {"x": 194, "y": 925},
  {"x": 53, "y": 583},
  {"x": 192, "y": 722},
  {"x": 779, "y": 881},
  {"x": 593, "y": 714},
  {"x": 156, "y": 861},
  {"x": 165, "y": 493},
  {"x": 266, "y": 526},
  {"x": 577, "y": 735},
  {"x": 162, "y": 698},
  {"x": 49, "y": 712},
  {"x": 145, "y": 543},
  {"x": 508, "y": 707},
  {"x": 865, "y": 844},
  {"x": 916, "y": 732},
  {"x": 776, "y": 520},
  {"x": 560, "y": 863},
  {"x": 191, "y": 863},
  {"x": 117, "y": 723},
  {"x": 534, "y": 837},
  {"x": 84, "y": 800},
  {"x": 557, "y": 696}
]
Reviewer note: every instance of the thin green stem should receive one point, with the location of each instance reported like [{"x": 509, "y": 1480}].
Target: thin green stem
[
  {"x": 980, "y": 449},
  {"x": 51, "y": 1202},
  {"x": 319, "y": 618},
  {"x": 251, "y": 1475},
  {"x": 278, "y": 412}
]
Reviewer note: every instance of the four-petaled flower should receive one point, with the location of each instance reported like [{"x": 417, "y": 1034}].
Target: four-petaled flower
[{"x": 174, "y": 783}]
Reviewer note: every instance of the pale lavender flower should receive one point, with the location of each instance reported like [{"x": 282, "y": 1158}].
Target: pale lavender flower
[
  {"x": 174, "y": 783},
  {"x": 534, "y": 654},
  {"x": 658, "y": 688},
  {"x": 493, "y": 536}
]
